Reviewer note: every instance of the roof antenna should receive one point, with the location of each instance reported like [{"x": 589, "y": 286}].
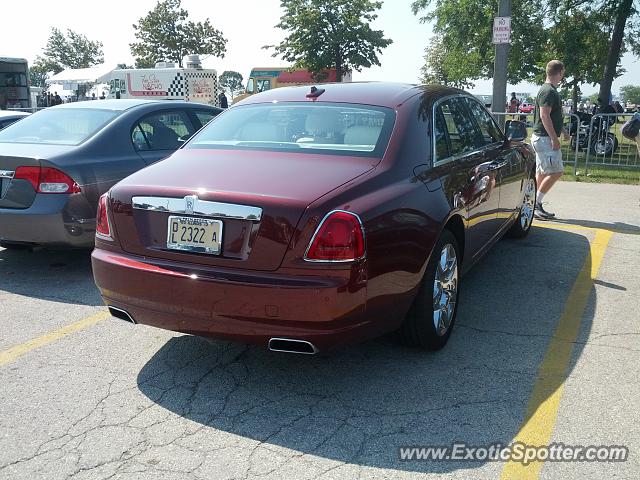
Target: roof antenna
[{"x": 315, "y": 92}]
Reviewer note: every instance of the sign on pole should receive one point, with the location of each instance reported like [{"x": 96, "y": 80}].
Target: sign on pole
[{"x": 501, "y": 30}]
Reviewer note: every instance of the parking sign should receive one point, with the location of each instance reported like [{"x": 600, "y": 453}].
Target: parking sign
[{"x": 501, "y": 30}]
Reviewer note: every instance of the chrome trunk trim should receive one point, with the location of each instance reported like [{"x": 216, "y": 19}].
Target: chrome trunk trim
[{"x": 192, "y": 205}]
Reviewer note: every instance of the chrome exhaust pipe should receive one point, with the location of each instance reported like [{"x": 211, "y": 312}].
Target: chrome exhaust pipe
[
  {"x": 290, "y": 345},
  {"x": 121, "y": 314}
]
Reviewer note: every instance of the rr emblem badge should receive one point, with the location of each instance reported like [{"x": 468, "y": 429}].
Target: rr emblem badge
[{"x": 190, "y": 203}]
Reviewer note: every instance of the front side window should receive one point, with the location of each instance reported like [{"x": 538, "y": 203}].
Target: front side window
[
  {"x": 262, "y": 85},
  {"x": 342, "y": 129},
  {"x": 13, "y": 79},
  {"x": 162, "y": 131},
  {"x": 486, "y": 123},
  {"x": 59, "y": 126}
]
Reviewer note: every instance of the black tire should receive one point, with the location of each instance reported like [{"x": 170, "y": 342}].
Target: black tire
[
  {"x": 522, "y": 225},
  {"x": 604, "y": 146},
  {"x": 418, "y": 329}
]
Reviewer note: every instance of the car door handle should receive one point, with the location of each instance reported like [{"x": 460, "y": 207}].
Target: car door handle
[{"x": 497, "y": 165}]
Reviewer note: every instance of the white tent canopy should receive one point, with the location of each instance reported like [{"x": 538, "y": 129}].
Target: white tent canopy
[{"x": 80, "y": 75}]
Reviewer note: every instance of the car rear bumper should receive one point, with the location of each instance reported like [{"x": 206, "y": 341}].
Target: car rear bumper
[
  {"x": 47, "y": 222},
  {"x": 326, "y": 308}
]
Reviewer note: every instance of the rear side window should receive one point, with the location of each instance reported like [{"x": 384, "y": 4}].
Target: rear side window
[
  {"x": 460, "y": 126},
  {"x": 59, "y": 126},
  {"x": 442, "y": 147},
  {"x": 204, "y": 117},
  {"x": 162, "y": 131},
  {"x": 487, "y": 125},
  {"x": 341, "y": 129}
]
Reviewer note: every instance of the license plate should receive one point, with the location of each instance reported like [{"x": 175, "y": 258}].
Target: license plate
[{"x": 200, "y": 235}]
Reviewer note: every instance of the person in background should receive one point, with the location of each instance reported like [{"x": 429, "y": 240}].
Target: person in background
[
  {"x": 631, "y": 129},
  {"x": 102, "y": 97},
  {"x": 547, "y": 127},
  {"x": 222, "y": 98},
  {"x": 514, "y": 103},
  {"x": 619, "y": 108},
  {"x": 57, "y": 100}
]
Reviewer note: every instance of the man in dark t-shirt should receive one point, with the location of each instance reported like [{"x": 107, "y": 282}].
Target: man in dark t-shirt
[
  {"x": 222, "y": 99},
  {"x": 547, "y": 127}
]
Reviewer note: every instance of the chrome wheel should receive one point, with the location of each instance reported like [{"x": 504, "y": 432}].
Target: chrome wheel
[
  {"x": 445, "y": 289},
  {"x": 528, "y": 204}
]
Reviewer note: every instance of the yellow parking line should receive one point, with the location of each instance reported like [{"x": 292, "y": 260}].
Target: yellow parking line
[
  {"x": 542, "y": 410},
  {"x": 573, "y": 226},
  {"x": 10, "y": 355}
]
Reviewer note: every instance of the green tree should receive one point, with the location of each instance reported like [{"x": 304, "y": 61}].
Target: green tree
[
  {"x": 232, "y": 81},
  {"x": 72, "y": 50},
  {"x": 439, "y": 69},
  {"x": 622, "y": 11},
  {"x": 465, "y": 29},
  {"x": 40, "y": 70},
  {"x": 326, "y": 34},
  {"x": 619, "y": 32},
  {"x": 630, "y": 94},
  {"x": 575, "y": 37},
  {"x": 165, "y": 34}
]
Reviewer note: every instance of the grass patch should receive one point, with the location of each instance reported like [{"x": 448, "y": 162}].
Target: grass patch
[{"x": 602, "y": 174}]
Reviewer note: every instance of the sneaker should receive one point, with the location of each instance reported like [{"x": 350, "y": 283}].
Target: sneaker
[{"x": 542, "y": 214}]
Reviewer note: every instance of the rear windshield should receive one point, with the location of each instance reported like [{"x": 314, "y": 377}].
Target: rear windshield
[
  {"x": 59, "y": 126},
  {"x": 339, "y": 129}
]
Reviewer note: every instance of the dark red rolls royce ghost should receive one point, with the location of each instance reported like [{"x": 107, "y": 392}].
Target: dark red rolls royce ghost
[{"x": 304, "y": 219}]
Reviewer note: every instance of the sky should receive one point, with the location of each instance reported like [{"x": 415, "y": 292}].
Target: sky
[{"x": 248, "y": 25}]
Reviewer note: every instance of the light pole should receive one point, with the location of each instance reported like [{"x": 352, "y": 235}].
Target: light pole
[{"x": 501, "y": 38}]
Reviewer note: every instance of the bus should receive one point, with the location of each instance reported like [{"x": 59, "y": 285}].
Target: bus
[
  {"x": 266, "y": 78},
  {"x": 14, "y": 84}
]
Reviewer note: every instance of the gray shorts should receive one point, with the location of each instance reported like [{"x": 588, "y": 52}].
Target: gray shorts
[{"x": 548, "y": 160}]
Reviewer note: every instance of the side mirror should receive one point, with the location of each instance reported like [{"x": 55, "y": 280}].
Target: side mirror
[{"x": 516, "y": 131}]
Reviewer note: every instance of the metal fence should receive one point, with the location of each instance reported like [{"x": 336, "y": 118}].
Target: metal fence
[{"x": 594, "y": 140}]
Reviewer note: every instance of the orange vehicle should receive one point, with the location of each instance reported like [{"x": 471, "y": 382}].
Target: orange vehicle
[{"x": 262, "y": 79}]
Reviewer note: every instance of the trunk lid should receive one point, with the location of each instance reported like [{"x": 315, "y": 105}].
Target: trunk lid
[
  {"x": 19, "y": 194},
  {"x": 281, "y": 185}
]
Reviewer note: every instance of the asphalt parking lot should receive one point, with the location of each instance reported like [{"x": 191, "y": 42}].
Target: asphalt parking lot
[{"x": 546, "y": 349}]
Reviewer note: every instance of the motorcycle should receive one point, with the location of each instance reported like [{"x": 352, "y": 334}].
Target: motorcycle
[{"x": 603, "y": 142}]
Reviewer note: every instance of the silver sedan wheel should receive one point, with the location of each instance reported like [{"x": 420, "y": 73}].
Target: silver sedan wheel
[
  {"x": 528, "y": 204},
  {"x": 445, "y": 289}
]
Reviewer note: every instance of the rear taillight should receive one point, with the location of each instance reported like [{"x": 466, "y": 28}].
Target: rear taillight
[
  {"x": 103, "y": 228},
  {"x": 339, "y": 238},
  {"x": 47, "y": 180}
]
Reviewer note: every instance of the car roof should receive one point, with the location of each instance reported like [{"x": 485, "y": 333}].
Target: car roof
[
  {"x": 118, "y": 104},
  {"x": 13, "y": 113},
  {"x": 384, "y": 94}
]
